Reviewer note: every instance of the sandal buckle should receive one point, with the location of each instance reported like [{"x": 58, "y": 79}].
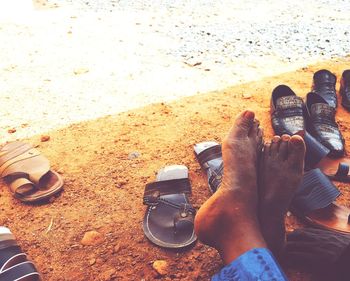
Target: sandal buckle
[{"x": 152, "y": 200}]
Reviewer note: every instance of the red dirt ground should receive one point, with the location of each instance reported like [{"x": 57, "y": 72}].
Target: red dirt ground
[{"x": 103, "y": 189}]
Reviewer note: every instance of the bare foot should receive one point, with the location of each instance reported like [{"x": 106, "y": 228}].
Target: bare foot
[
  {"x": 280, "y": 172},
  {"x": 228, "y": 220}
]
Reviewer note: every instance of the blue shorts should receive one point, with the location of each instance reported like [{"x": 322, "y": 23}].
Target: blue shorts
[{"x": 254, "y": 265}]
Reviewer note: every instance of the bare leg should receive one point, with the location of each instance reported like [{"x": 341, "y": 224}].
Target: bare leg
[
  {"x": 281, "y": 169},
  {"x": 228, "y": 220}
]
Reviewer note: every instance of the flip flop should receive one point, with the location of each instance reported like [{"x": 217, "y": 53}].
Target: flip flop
[
  {"x": 28, "y": 173},
  {"x": 209, "y": 156},
  {"x": 317, "y": 157},
  {"x": 13, "y": 262},
  {"x": 169, "y": 219},
  {"x": 10, "y": 253},
  {"x": 314, "y": 203},
  {"x": 24, "y": 271}
]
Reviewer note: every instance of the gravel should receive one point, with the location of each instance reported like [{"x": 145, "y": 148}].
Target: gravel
[
  {"x": 87, "y": 59},
  {"x": 215, "y": 31}
]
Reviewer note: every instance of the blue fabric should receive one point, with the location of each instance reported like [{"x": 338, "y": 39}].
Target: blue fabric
[{"x": 254, "y": 265}]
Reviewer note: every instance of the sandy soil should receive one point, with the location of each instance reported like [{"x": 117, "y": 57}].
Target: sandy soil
[{"x": 104, "y": 189}]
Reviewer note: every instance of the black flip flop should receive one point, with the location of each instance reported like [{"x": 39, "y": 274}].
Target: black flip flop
[
  {"x": 13, "y": 262},
  {"x": 317, "y": 157},
  {"x": 209, "y": 156},
  {"x": 10, "y": 254},
  {"x": 314, "y": 203},
  {"x": 24, "y": 271},
  {"x": 169, "y": 219}
]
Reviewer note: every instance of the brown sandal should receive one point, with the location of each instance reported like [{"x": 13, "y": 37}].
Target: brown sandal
[{"x": 28, "y": 173}]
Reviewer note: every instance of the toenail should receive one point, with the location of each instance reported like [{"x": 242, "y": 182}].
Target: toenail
[
  {"x": 285, "y": 137},
  {"x": 249, "y": 115},
  {"x": 276, "y": 139},
  {"x": 297, "y": 140}
]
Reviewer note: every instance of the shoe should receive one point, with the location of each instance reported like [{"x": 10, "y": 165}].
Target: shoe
[
  {"x": 169, "y": 219},
  {"x": 324, "y": 85},
  {"x": 287, "y": 111},
  {"x": 322, "y": 125},
  {"x": 345, "y": 89}
]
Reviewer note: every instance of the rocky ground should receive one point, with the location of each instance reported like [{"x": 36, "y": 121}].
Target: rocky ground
[{"x": 66, "y": 61}]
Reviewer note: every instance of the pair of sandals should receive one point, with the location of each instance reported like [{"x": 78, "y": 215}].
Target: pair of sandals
[
  {"x": 28, "y": 173},
  {"x": 169, "y": 218},
  {"x": 14, "y": 265}
]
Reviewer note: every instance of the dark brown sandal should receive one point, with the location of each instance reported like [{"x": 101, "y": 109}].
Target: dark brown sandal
[{"x": 169, "y": 219}]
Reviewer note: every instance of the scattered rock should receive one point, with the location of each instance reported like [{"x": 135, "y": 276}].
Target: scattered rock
[
  {"x": 133, "y": 155},
  {"x": 92, "y": 238},
  {"x": 117, "y": 248},
  {"x": 92, "y": 261},
  {"x": 81, "y": 71},
  {"x": 247, "y": 96},
  {"x": 45, "y": 138},
  {"x": 11, "y": 131},
  {"x": 193, "y": 65},
  {"x": 161, "y": 266},
  {"x": 107, "y": 275}
]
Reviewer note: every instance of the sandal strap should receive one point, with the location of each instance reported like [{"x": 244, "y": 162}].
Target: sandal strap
[
  {"x": 315, "y": 151},
  {"x": 315, "y": 192},
  {"x": 208, "y": 154},
  {"x": 15, "y": 259},
  {"x": 154, "y": 201},
  {"x": 159, "y": 188},
  {"x": 18, "y": 183},
  {"x": 7, "y": 243},
  {"x": 39, "y": 165},
  {"x": 20, "y": 271},
  {"x": 15, "y": 149},
  {"x": 343, "y": 170}
]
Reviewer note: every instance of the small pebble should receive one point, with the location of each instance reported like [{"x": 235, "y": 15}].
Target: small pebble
[
  {"x": 161, "y": 266},
  {"x": 247, "y": 96},
  {"x": 92, "y": 238},
  {"x": 80, "y": 71},
  {"x": 45, "y": 138},
  {"x": 133, "y": 155}
]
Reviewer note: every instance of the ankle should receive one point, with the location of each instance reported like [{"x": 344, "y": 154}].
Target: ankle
[{"x": 237, "y": 245}]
